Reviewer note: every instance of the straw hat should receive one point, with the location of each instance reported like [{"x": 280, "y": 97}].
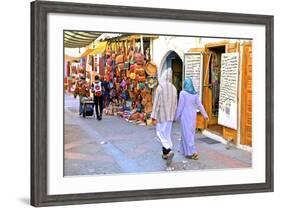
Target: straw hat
[{"x": 151, "y": 69}]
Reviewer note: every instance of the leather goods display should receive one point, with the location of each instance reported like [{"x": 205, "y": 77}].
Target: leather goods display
[{"x": 133, "y": 80}]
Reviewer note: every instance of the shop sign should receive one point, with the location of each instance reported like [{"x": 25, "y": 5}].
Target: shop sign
[
  {"x": 229, "y": 90},
  {"x": 193, "y": 67}
]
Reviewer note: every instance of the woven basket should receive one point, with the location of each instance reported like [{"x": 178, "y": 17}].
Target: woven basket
[{"x": 151, "y": 69}]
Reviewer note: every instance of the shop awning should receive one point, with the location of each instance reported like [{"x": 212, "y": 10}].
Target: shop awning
[
  {"x": 99, "y": 48},
  {"x": 75, "y": 39},
  {"x": 125, "y": 36},
  {"x": 87, "y": 52}
]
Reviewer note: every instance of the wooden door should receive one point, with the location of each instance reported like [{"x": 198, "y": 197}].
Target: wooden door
[
  {"x": 232, "y": 47},
  {"x": 212, "y": 50},
  {"x": 207, "y": 91},
  {"x": 246, "y": 96}
]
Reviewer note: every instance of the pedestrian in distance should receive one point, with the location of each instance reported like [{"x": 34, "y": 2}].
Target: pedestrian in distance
[
  {"x": 163, "y": 112},
  {"x": 83, "y": 90},
  {"x": 189, "y": 103},
  {"x": 98, "y": 97},
  {"x": 106, "y": 92}
]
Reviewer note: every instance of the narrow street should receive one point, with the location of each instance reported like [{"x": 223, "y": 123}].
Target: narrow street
[{"x": 114, "y": 146}]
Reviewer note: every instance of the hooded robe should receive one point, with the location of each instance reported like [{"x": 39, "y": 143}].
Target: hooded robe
[
  {"x": 164, "y": 109},
  {"x": 165, "y": 100}
]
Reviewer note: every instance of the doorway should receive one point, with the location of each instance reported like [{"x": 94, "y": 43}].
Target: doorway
[
  {"x": 174, "y": 62},
  {"x": 213, "y": 72}
]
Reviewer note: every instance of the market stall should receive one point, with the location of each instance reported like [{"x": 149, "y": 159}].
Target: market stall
[{"x": 131, "y": 77}]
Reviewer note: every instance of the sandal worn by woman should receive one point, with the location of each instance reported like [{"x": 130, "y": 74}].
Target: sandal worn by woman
[{"x": 195, "y": 156}]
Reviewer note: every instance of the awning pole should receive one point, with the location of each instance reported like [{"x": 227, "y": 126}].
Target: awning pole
[{"x": 141, "y": 39}]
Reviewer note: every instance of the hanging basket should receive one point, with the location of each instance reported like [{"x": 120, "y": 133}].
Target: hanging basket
[
  {"x": 151, "y": 82},
  {"x": 151, "y": 69}
]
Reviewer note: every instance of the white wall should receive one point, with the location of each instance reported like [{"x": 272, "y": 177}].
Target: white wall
[
  {"x": 165, "y": 44},
  {"x": 15, "y": 128}
]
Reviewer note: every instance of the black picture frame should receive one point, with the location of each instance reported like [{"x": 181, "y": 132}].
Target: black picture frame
[{"x": 39, "y": 12}]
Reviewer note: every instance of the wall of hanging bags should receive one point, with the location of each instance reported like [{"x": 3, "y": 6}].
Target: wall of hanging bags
[{"x": 131, "y": 78}]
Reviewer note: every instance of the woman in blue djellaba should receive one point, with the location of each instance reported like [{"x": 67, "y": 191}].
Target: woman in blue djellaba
[{"x": 186, "y": 112}]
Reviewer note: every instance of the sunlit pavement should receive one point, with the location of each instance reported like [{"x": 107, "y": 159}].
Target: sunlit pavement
[{"x": 114, "y": 146}]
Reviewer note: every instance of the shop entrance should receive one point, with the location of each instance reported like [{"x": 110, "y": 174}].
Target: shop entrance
[
  {"x": 174, "y": 62},
  {"x": 212, "y": 82}
]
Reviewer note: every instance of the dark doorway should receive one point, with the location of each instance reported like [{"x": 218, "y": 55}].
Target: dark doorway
[
  {"x": 174, "y": 62},
  {"x": 214, "y": 71}
]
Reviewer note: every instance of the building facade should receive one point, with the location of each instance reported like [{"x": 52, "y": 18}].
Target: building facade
[{"x": 222, "y": 72}]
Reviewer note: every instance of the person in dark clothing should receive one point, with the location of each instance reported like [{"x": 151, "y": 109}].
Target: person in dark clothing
[
  {"x": 98, "y": 97},
  {"x": 106, "y": 92}
]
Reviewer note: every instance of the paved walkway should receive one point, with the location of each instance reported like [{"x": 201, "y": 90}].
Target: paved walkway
[{"x": 114, "y": 146}]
